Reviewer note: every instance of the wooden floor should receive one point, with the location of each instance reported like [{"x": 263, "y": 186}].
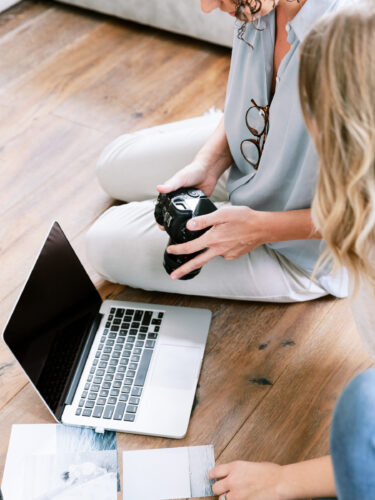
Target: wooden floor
[{"x": 71, "y": 81}]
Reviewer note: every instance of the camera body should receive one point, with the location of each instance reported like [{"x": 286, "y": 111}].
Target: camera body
[{"x": 173, "y": 211}]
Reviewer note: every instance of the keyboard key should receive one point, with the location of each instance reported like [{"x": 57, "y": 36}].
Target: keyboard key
[
  {"x": 92, "y": 371},
  {"x": 118, "y": 347},
  {"x": 102, "y": 339},
  {"x": 124, "y": 361},
  {"x": 135, "y": 358},
  {"x": 81, "y": 402},
  {"x": 135, "y": 324},
  {"x": 114, "y": 328},
  {"x": 116, "y": 354},
  {"x": 138, "y": 315},
  {"x": 104, "y": 393},
  {"x": 109, "y": 343},
  {"x": 133, "y": 366},
  {"x": 150, "y": 343},
  {"x": 139, "y": 343},
  {"x": 89, "y": 404},
  {"x": 113, "y": 310},
  {"x": 92, "y": 395},
  {"x": 117, "y": 384},
  {"x": 129, "y": 346},
  {"x": 125, "y": 389},
  {"x": 78, "y": 411},
  {"x": 119, "y": 413},
  {"x": 87, "y": 386},
  {"x": 105, "y": 357},
  {"x": 110, "y": 317},
  {"x": 84, "y": 394},
  {"x": 132, "y": 409},
  {"x": 125, "y": 326},
  {"x": 156, "y": 329},
  {"x": 120, "y": 313},
  {"x": 121, "y": 369},
  {"x": 116, "y": 321},
  {"x": 152, "y": 336},
  {"x": 103, "y": 364},
  {"x": 106, "y": 385},
  {"x": 143, "y": 367},
  {"x": 98, "y": 353},
  {"x": 100, "y": 372},
  {"x": 95, "y": 388},
  {"x": 137, "y": 391},
  {"x": 119, "y": 376},
  {"x": 146, "y": 318},
  {"x": 142, "y": 336},
  {"x": 101, "y": 401},
  {"x": 108, "y": 350},
  {"x": 112, "y": 400},
  {"x": 89, "y": 378},
  {"x": 95, "y": 362},
  {"x": 129, "y": 417},
  {"x": 111, "y": 369},
  {"x": 100, "y": 347},
  {"x": 86, "y": 412},
  {"x": 132, "y": 338},
  {"x": 143, "y": 329},
  {"x": 129, "y": 312},
  {"x": 112, "y": 336},
  {"x": 160, "y": 315},
  {"x": 134, "y": 401},
  {"x": 115, "y": 392},
  {"x": 137, "y": 350},
  {"x": 123, "y": 397},
  {"x": 108, "y": 324},
  {"x": 113, "y": 362},
  {"x": 128, "y": 381},
  {"x": 130, "y": 373},
  {"x": 98, "y": 410},
  {"x": 133, "y": 331},
  {"x": 108, "y": 377},
  {"x": 120, "y": 340},
  {"x": 105, "y": 331},
  {"x": 108, "y": 412}
]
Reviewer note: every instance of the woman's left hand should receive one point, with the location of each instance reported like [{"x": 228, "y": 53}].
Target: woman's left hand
[
  {"x": 247, "y": 481},
  {"x": 235, "y": 231}
]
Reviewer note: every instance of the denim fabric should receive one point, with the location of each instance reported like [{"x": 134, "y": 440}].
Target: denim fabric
[{"x": 353, "y": 439}]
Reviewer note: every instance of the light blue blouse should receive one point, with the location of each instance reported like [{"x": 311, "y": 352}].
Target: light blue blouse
[{"x": 287, "y": 173}]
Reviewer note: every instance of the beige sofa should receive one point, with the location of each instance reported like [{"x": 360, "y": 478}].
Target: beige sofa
[{"x": 179, "y": 16}]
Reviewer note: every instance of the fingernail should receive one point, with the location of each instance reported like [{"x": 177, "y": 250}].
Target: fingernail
[
  {"x": 168, "y": 250},
  {"x": 192, "y": 224},
  {"x": 173, "y": 276}
]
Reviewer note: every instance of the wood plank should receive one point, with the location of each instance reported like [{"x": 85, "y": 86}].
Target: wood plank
[
  {"x": 292, "y": 421},
  {"x": 24, "y": 12},
  {"x": 139, "y": 91},
  {"x": 32, "y": 43}
]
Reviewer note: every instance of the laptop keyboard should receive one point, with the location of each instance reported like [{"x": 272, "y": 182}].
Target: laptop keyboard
[{"x": 114, "y": 386}]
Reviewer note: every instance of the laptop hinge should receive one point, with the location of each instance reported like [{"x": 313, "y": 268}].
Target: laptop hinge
[{"x": 82, "y": 361}]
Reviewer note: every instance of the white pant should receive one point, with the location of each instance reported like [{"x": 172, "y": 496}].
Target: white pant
[{"x": 125, "y": 245}]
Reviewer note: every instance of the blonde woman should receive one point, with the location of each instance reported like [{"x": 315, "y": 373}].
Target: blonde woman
[{"x": 337, "y": 88}]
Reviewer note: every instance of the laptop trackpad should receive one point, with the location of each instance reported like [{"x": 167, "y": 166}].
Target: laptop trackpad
[{"x": 176, "y": 367}]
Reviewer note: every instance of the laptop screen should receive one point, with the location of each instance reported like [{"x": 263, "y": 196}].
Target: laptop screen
[{"x": 52, "y": 318}]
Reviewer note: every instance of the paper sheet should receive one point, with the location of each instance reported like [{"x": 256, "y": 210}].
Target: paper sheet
[{"x": 168, "y": 473}]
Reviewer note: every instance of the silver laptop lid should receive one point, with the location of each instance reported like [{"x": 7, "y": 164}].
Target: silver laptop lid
[{"x": 48, "y": 328}]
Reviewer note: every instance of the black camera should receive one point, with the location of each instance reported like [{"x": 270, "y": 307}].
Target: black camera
[{"x": 173, "y": 211}]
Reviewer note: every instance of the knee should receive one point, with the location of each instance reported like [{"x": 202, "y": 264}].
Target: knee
[
  {"x": 113, "y": 166},
  {"x": 354, "y": 415}
]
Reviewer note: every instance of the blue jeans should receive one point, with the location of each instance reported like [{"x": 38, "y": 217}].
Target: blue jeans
[{"x": 353, "y": 439}]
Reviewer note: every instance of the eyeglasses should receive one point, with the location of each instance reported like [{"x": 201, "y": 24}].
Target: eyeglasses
[{"x": 257, "y": 122}]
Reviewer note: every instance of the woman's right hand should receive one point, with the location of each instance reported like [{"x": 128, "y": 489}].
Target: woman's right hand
[{"x": 196, "y": 174}]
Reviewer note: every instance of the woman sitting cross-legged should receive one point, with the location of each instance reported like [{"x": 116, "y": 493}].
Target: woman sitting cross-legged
[
  {"x": 337, "y": 86},
  {"x": 262, "y": 244}
]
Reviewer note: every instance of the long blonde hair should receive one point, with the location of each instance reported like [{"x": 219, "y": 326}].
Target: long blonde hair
[{"x": 337, "y": 89}]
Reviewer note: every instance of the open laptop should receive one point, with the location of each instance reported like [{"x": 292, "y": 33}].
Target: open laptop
[{"x": 123, "y": 366}]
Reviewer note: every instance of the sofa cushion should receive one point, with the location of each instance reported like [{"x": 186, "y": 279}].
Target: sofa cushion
[{"x": 179, "y": 16}]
